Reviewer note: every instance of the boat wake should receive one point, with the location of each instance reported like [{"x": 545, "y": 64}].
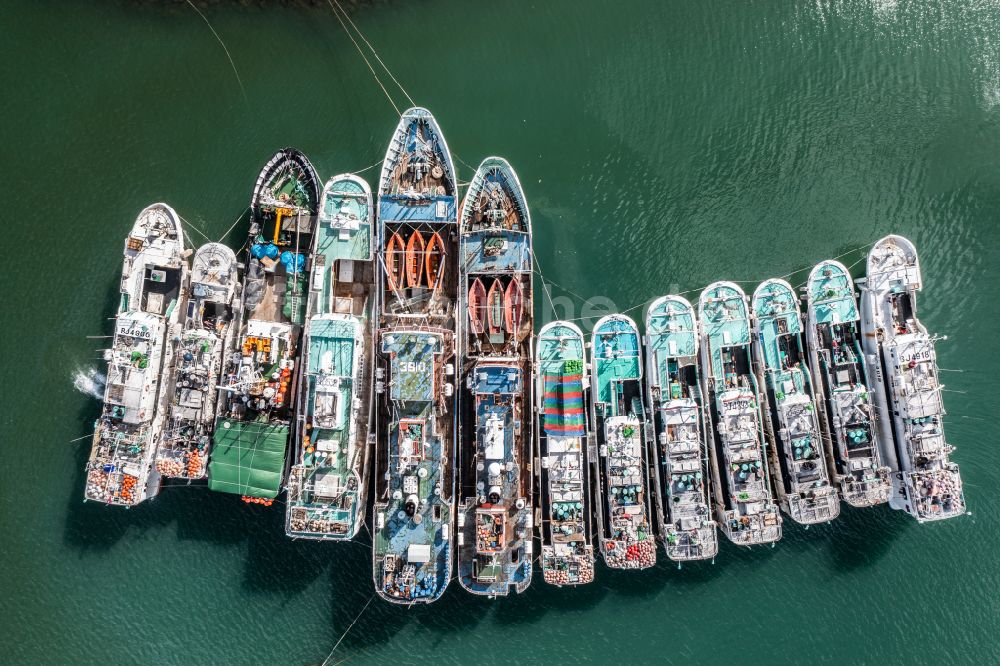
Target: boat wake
[{"x": 90, "y": 381}]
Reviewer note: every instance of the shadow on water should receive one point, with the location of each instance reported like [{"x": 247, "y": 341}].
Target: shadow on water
[
  {"x": 805, "y": 538},
  {"x": 541, "y": 598},
  {"x": 229, "y": 523},
  {"x": 458, "y": 610},
  {"x": 95, "y": 527},
  {"x": 352, "y": 588},
  {"x": 864, "y": 536},
  {"x": 91, "y": 525},
  {"x": 274, "y": 562}
]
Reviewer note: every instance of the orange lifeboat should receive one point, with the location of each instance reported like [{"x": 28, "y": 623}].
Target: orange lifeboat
[
  {"x": 394, "y": 265},
  {"x": 414, "y": 258},
  {"x": 494, "y": 307},
  {"x": 434, "y": 262},
  {"x": 477, "y": 307},
  {"x": 513, "y": 306}
]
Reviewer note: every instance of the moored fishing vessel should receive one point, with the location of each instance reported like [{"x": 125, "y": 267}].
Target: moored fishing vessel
[
  {"x": 259, "y": 378},
  {"x": 494, "y": 520},
  {"x": 212, "y": 300},
  {"x": 414, "y": 450},
  {"x": 806, "y": 492},
  {"x": 902, "y": 370},
  {"x": 624, "y": 498},
  {"x": 680, "y": 435},
  {"x": 838, "y": 368},
  {"x": 566, "y": 528},
  {"x": 745, "y": 507},
  {"x": 120, "y": 470},
  {"x": 328, "y": 481}
]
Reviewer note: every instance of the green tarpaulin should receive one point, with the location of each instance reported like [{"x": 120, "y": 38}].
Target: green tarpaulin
[{"x": 247, "y": 458}]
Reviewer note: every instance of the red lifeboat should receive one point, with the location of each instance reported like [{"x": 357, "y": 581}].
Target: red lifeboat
[
  {"x": 434, "y": 261},
  {"x": 494, "y": 307},
  {"x": 414, "y": 259},
  {"x": 477, "y": 307},
  {"x": 394, "y": 264},
  {"x": 513, "y": 306}
]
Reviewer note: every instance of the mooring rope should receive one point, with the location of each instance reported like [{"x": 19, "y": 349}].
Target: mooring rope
[
  {"x": 467, "y": 165},
  {"x": 346, "y": 631},
  {"x": 364, "y": 57},
  {"x": 696, "y": 290},
  {"x": 191, "y": 224},
  {"x": 367, "y": 168},
  {"x": 375, "y": 53},
  {"x": 233, "y": 225},
  {"x": 223, "y": 44}
]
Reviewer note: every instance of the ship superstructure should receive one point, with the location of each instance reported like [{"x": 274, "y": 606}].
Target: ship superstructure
[
  {"x": 415, "y": 419},
  {"x": 625, "y": 497},
  {"x": 328, "y": 481},
  {"x": 679, "y": 430},
  {"x": 495, "y": 531},
  {"x": 259, "y": 379},
  {"x": 901, "y": 362},
  {"x": 745, "y": 507},
  {"x": 120, "y": 470},
  {"x": 838, "y": 370},
  {"x": 566, "y": 527},
  {"x": 212, "y": 303},
  {"x": 808, "y": 495}
]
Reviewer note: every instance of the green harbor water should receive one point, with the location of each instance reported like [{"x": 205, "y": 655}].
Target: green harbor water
[{"x": 662, "y": 146}]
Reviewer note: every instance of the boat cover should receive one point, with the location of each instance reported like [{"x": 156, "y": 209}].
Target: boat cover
[
  {"x": 247, "y": 458},
  {"x": 564, "y": 401}
]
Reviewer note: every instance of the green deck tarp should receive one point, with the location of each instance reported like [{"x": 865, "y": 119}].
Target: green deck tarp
[{"x": 247, "y": 458}]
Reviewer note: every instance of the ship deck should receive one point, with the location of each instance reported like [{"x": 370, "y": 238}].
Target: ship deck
[
  {"x": 627, "y": 533},
  {"x": 616, "y": 356},
  {"x": 412, "y": 547},
  {"x": 809, "y": 496},
  {"x": 495, "y": 521},
  {"x": 725, "y": 324},
  {"x": 831, "y": 294},
  {"x": 325, "y": 499},
  {"x": 688, "y": 530},
  {"x": 567, "y": 555},
  {"x": 281, "y": 300},
  {"x": 327, "y": 485}
]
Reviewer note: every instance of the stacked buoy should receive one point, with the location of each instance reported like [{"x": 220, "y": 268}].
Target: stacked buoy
[
  {"x": 637, "y": 555},
  {"x": 170, "y": 467},
  {"x": 128, "y": 485},
  {"x": 194, "y": 464},
  {"x": 561, "y": 576},
  {"x": 97, "y": 485},
  {"x": 279, "y": 384}
]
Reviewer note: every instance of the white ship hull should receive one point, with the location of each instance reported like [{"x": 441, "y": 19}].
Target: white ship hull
[{"x": 902, "y": 369}]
